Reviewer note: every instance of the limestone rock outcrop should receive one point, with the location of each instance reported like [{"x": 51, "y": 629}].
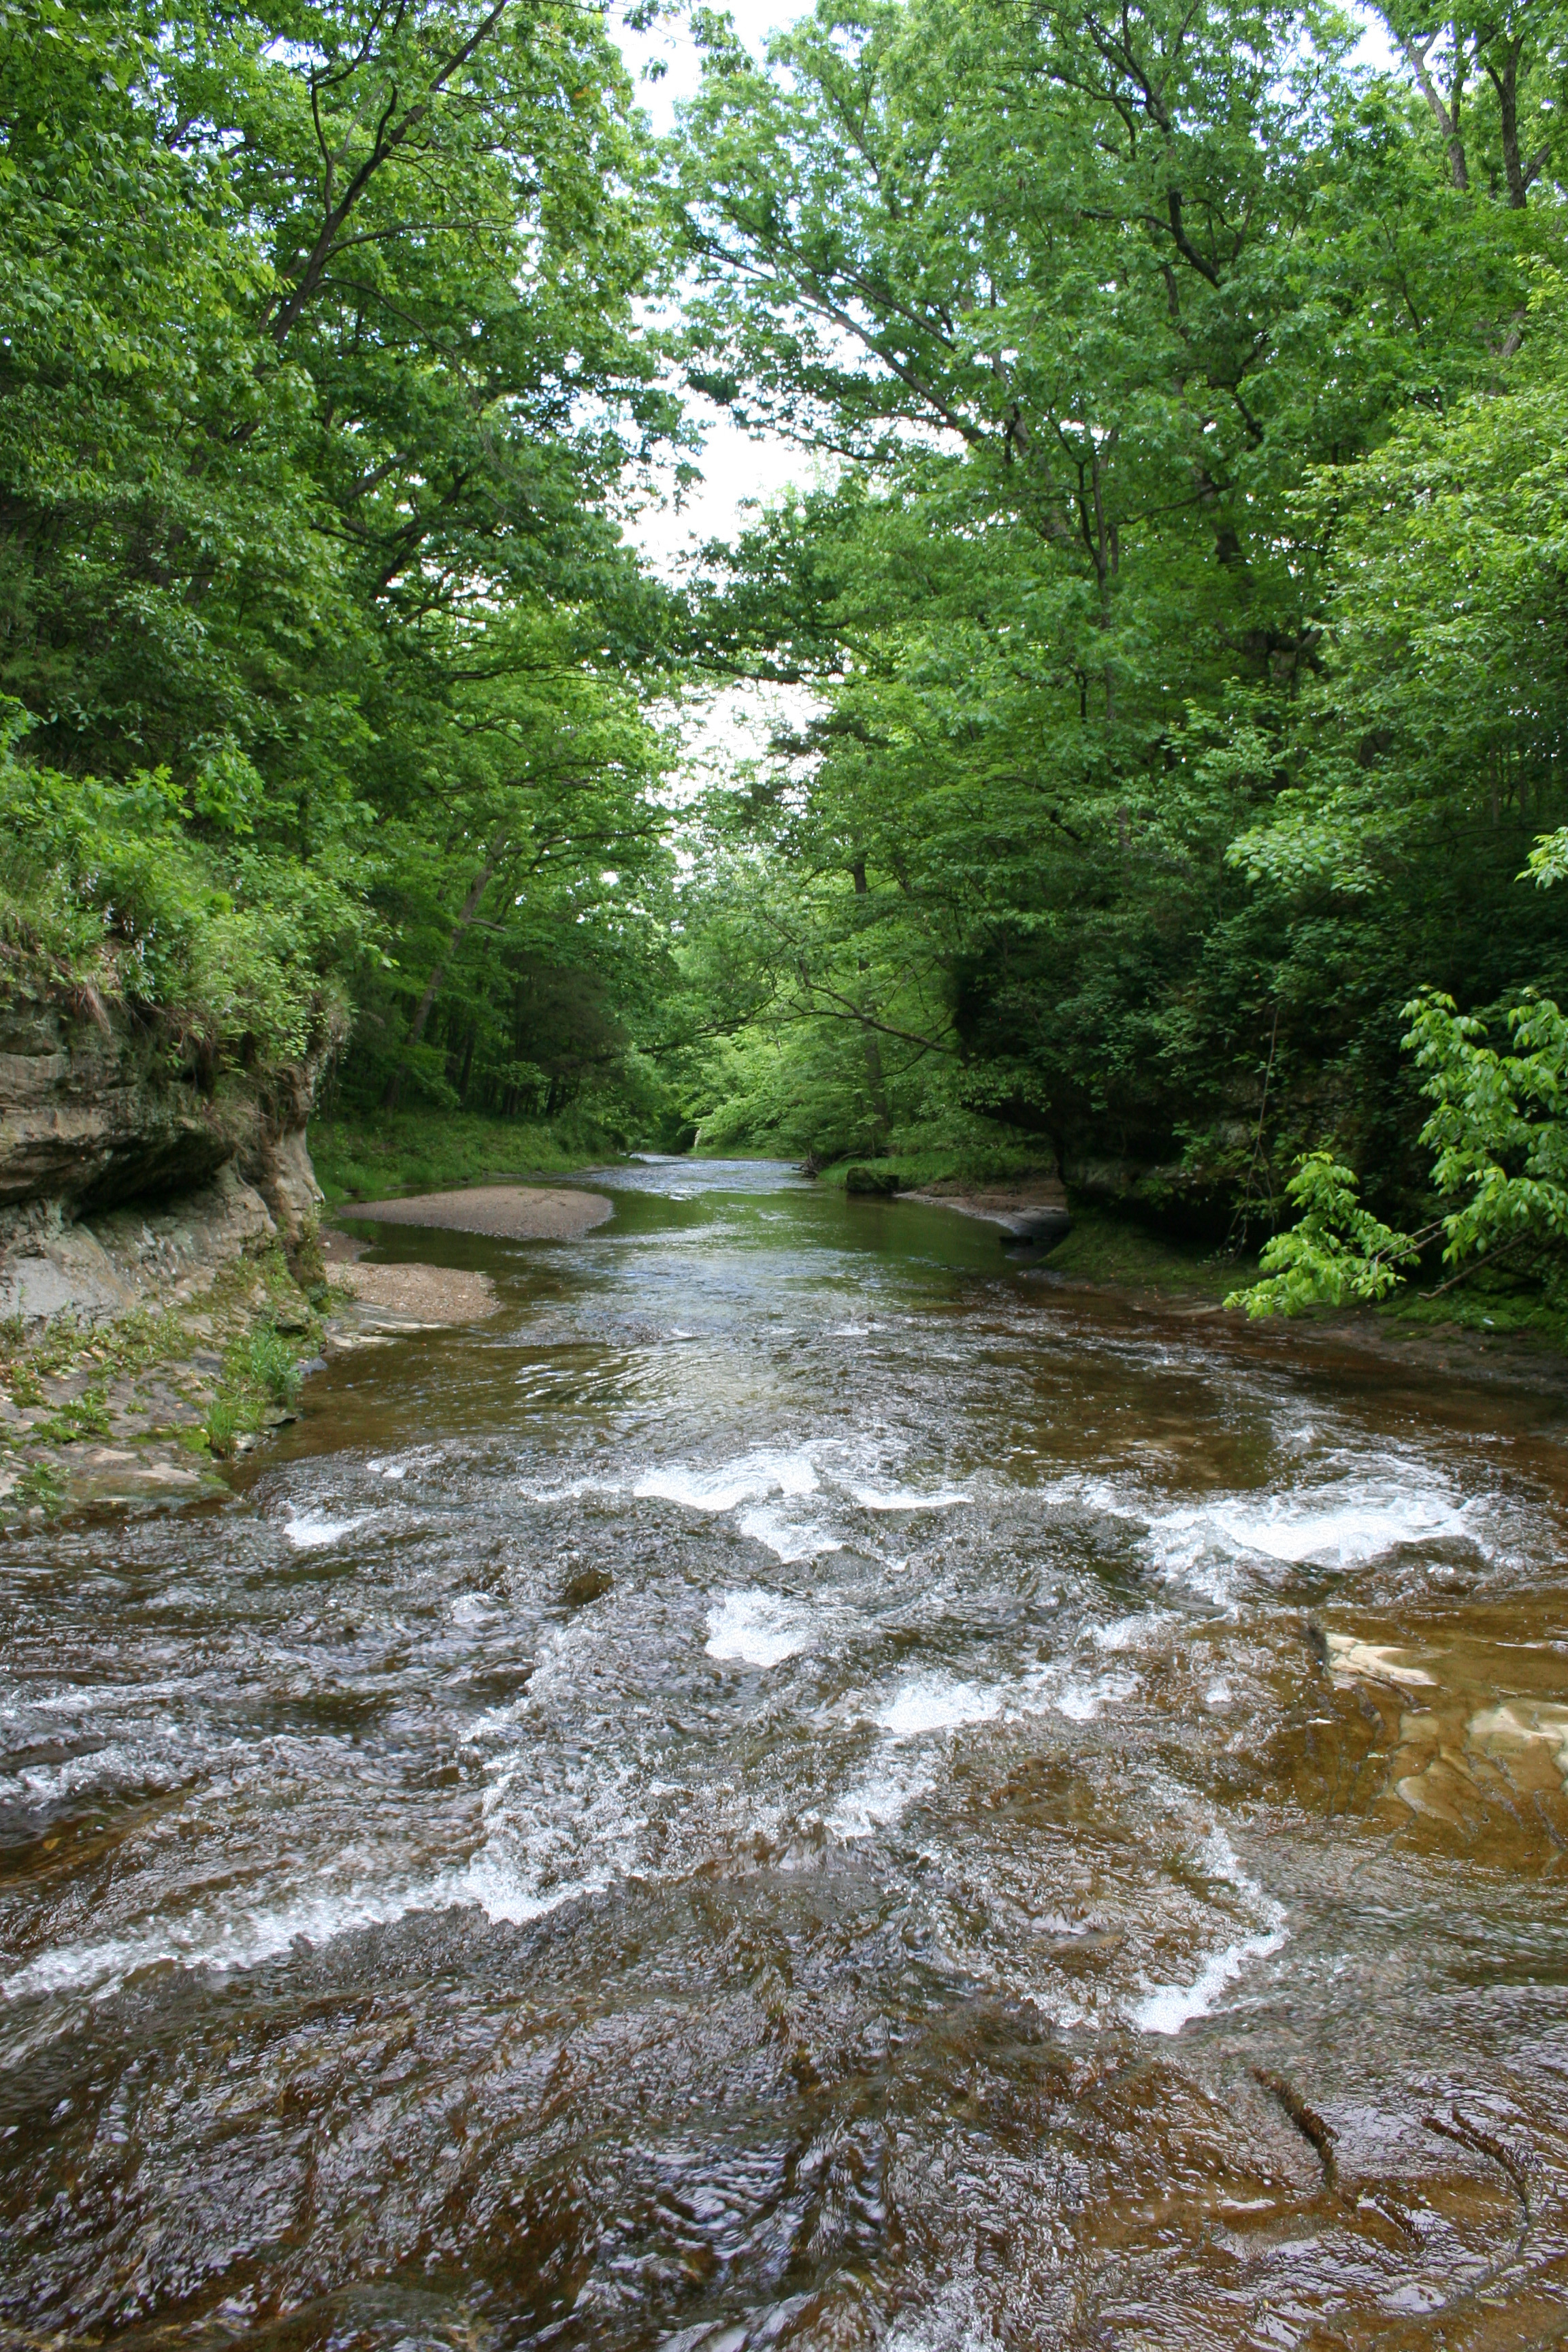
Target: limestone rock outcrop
[
  {"x": 91, "y": 1113},
  {"x": 121, "y": 1178}
]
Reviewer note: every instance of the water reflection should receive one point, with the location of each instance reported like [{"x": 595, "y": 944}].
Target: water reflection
[{"x": 798, "y": 1786}]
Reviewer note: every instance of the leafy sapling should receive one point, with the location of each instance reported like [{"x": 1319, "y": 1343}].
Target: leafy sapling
[{"x": 1337, "y": 1252}]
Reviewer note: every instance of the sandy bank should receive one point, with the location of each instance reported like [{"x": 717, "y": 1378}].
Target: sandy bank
[
  {"x": 430, "y": 1294},
  {"x": 513, "y": 1212}
]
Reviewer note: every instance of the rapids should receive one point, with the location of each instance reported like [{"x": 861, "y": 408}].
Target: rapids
[{"x": 805, "y": 1784}]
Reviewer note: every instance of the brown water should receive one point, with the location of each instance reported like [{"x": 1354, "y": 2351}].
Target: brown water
[{"x": 803, "y": 1786}]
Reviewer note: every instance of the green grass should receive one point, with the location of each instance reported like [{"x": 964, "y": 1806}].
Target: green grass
[
  {"x": 85, "y": 1418},
  {"x": 1491, "y": 1301},
  {"x": 1102, "y": 1248},
  {"x": 269, "y": 1363},
  {"x": 366, "y": 1156}
]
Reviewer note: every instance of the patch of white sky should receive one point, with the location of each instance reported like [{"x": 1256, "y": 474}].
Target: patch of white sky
[{"x": 742, "y": 472}]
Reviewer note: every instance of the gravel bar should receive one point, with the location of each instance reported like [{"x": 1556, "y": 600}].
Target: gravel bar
[{"x": 513, "y": 1212}]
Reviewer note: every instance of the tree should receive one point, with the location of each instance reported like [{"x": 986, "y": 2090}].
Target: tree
[
  {"x": 322, "y": 370},
  {"x": 1080, "y": 304}
]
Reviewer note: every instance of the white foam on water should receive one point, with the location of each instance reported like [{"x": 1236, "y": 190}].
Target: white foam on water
[
  {"x": 1346, "y": 1520},
  {"x": 1081, "y": 1702},
  {"x": 472, "y": 1609},
  {"x": 80, "y": 1699},
  {"x": 788, "y": 1540},
  {"x": 906, "y": 1498},
  {"x": 1347, "y": 1536},
  {"x": 878, "y": 1800},
  {"x": 390, "y": 1465},
  {"x": 936, "y": 1702},
  {"x": 547, "y": 1844},
  {"x": 923, "y": 1707},
  {"x": 244, "y": 1940},
  {"x": 1063, "y": 2010},
  {"x": 1059, "y": 1687},
  {"x": 249, "y": 1939},
  {"x": 117, "y": 1767},
  {"x": 504, "y": 1898},
  {"x": 1095, "y": 1494},
  {"x": 1128, "y": 1633},
  {"x": 750, "y": 1479},
  {"x": 756, "y": 1629},
  {"x": 573, "y": 1492},
  {"x": 1166, "y": 2008},
  {"x": 312, "y": 1530},
  {"x": 1217, "y": 1694},
  {"x": 1348, "y": 1524},
  {"x": 1170, "y": 2007},
  {"x": 490, "y": 1880}
]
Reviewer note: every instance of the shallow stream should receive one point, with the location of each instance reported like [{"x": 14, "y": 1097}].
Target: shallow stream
[{"x": 805, "y": 1784}]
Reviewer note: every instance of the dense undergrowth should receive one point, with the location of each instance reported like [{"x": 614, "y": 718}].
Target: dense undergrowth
[{"x": 375, "y": 1153}]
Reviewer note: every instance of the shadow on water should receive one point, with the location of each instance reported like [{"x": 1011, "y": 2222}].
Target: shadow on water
[{"x": 798, "y": 1786}]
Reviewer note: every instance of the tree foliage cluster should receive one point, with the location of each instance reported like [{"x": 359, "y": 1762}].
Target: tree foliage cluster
[
  {"x": 1183, "y": 609},
  {"x": 1177, "y": 619},
  {"x": 322, "y": 657}
]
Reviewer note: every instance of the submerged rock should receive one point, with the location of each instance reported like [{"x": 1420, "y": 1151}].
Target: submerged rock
[{"x": 1044, "y": 1226}]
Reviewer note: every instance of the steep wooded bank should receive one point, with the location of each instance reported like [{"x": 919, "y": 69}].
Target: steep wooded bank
[
  {"x": 1186, "y": 618},
  {"x": 320, "y": 650}
]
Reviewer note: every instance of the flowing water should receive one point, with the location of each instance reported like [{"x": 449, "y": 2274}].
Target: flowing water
[{"x": 802, "y": 1785}]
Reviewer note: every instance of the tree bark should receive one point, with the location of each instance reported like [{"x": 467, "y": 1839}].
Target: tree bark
[
  {"x": 1506, "y": 83},
  {"x": 875, "y": 1077},
  {"x": 466, "y": 914},
  {"x": 1446, "y": 117}
]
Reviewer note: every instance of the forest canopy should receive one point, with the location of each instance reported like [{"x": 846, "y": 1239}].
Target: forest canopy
[{"x": 1174, "y": 607}]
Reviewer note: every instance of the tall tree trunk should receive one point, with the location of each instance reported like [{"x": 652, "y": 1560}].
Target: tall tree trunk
[
  {"x": 466, "y": 913},
  {"x": 468, "y": 1044},
  {"x": 1446, "y": 117},
  {"x": 873, "y": 1044},
  {"x": 1506, "y": 83}
]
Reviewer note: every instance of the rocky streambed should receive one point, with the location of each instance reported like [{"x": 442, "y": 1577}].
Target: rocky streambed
[{"x": 801, "y": 1783}]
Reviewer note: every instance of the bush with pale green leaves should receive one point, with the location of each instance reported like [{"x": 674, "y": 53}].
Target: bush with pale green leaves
[{"x": 1500, "y": 1131}]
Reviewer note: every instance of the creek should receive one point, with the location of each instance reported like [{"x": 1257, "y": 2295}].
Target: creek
[{"x": 808, "y": 1784}]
